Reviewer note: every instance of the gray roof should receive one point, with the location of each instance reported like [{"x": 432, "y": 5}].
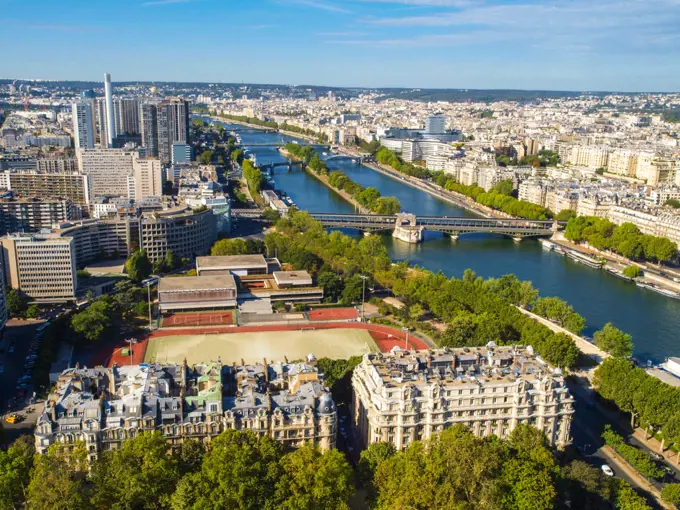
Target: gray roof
[
  {"x": 231, "y": 262},
  {"x": 194, "y": 283}
]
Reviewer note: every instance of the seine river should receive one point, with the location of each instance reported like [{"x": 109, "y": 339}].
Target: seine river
[{"x": 653, "y": 320}]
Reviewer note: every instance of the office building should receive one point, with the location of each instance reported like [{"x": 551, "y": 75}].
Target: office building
[
  {"x": 107, "y": 169},
  {"x": 42, "y": 267},
  {"x": 435, "y": 124},
  {"x": 83, "y": 125},
  {"x": 173, "y": 126},
  {"x": 148, "y": 120},
  {"x": 40, "y": 184},
  {"x": 147, "y": 178},
  {"x": 406, "y": 396},
  {"x": 186, "y": 233},
  {"x": 102, "y": 407},
  {"x": 110, "y": 123},
  {"x": 34, "y": 215}
]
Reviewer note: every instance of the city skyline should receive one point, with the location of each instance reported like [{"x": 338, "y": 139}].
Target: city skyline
[{"x": 499, "y": 44}]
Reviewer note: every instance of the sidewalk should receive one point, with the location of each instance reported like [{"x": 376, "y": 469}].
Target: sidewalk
[{"x": 655, "y": 445}]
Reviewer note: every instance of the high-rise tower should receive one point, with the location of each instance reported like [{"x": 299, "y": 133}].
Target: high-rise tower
[
  {"x": 83, "y": 125},
  {"x": 148, "y": 121},
  {"x": 108, "y": 92},
  {"x": 173, "y": 125}
]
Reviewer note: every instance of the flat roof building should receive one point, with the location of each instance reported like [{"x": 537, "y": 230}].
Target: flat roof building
[
  {"x": 196, "y": 293},
  {"x": 43, "y": 267},
  {"x": 240, "y": 265}
]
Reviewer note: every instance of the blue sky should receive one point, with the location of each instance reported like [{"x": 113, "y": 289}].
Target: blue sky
[{"x": 627, "y": 45}]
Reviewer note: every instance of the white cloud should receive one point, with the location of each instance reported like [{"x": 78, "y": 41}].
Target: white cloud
[{"x": 318, "y": 4}]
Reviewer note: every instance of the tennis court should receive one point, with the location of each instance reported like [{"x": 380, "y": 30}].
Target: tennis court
[
  {"x": 253, "y": 346},
  {"x": 224, "y": 318}
]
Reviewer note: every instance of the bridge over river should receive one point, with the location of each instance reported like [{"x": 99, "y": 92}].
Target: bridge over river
[{"x": 409, "y": 227}]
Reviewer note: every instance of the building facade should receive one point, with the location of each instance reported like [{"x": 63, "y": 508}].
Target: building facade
[
  {"x": 34, "y": 215},
  {"x": 406, "y": 396},
  {"x": 173, "y": 126},
  {"x": 103, "y": 407},
  {"x": 107, "y": 169},
  {"x": 148, "y": 120},
  {"x": 43, "y": 267},
  {"x": 148, "y": 178},
  {"x": 83, "y": 125},
  {"x": 70, "y": 185}
]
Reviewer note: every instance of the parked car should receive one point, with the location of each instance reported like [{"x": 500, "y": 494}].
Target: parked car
[
  {"x": 656, "y": 456},
  {"x": 607, "y": 470}
]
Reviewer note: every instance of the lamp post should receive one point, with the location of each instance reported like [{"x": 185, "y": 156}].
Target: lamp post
[
  {"x": 406, "y": 330},
  {"x": 131, "y": 341},
  {"x": 363, "y": 294}
]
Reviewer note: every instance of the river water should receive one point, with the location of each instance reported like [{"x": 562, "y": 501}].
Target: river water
[{"x": 650, "y": 318}]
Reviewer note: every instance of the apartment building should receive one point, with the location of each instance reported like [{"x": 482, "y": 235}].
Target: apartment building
[
  {"x": 96, "y": 239},
  {"x": 148, "y": 118},
  {"x": 103, "y": 407},
  {"x": 623, "y": 162},
  {"x": 41, "y": 266},
  {"x": 63, "y": 165},
  {"x": 560, "y": 200},
  {"x": 63, "y": 184},
  {"x": 590, "y": 156},
  {"x": 148, "y": 178},
  {"x": 406, "y": 396},
  {"x": 34, "y": 215},
  {"x": 107, "y": 169},
  {"x": 173, "y": 125},
  {"x": 534, "y": 191}
]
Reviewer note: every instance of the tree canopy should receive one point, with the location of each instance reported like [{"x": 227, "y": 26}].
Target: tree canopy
[
  {"x": 614, "y": 341},
  {"x": 138, "y": 266}
]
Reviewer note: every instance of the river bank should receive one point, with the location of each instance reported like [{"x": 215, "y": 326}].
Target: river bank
[
  {"x": 308, "y": 138},
  {"x": 324, "y": 179}
]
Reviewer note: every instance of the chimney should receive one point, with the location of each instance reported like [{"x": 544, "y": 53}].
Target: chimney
[
  {"x": 243, "y": 363},
  {"x": 266, "y": 371},
  {"x": 453, "y": 363},
  {"x": 269, "y": 400}
]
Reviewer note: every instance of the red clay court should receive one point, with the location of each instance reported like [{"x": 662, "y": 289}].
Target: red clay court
[
  {"x": 333, "y": 314},
  {"x": 198, "y": 319}
]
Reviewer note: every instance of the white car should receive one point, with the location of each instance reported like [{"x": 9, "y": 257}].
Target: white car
[{"x": 607, "y": 470}]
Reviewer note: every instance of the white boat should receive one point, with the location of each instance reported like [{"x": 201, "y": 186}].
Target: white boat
[
  {"x": 585, "y": 259},
  {"x": 657, "y": 289},
  {"x": 618, "y": 274},
  {"x": 547, "y": 245}
]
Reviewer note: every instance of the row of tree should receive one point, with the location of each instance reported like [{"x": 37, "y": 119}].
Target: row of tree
[
  {"x": 456, "y": 469},
  {"x": 236, "y": 470},
  {"x": 389, "y": 158},
  {"x": 322, "y": 137},
  {"x": 476, "y": 311},
  {"x": 253, "y": 177},
  {"x": 654, "y": 403},
  {"x": 625, "y": 239}
]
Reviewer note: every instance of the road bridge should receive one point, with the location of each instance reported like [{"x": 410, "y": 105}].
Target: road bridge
[
  {"x": 343, "y": 157},
  {"x": 412, "y": 226},
  {"x": 287, "y": 164}
]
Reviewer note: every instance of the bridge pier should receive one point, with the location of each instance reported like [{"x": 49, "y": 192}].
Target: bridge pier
[
  {"x": 454, "y": 237},
  {"x": 518, "y": 239}
]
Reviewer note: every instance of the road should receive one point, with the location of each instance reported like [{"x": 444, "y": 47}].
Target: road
[{"x": 590, "y": 420}]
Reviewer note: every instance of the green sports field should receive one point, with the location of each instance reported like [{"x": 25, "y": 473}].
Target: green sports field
[{"x": 253, "y": 347}]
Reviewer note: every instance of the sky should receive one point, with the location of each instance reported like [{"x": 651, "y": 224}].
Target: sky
[{"x": 583, "y": 45}]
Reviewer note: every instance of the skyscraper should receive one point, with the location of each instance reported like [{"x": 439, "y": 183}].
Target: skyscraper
[
  {"x": 126, "y": 113},
  {"x": 173, "y": 126},
  {"x": 110, "y": 127},
  {"x": 83, "y": 125},
  {"x": 148, "y": 123}
]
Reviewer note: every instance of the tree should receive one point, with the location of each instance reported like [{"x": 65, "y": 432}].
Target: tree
[
  {"x": 57, "y": 479},
  {"x": 584, "y": 486},
  {"x": 15, "y": 467},
  {"x": 92, "y": 322},
  {"x": 565, "y": 215},
  {"x": 504, "y": 187},
  {"x": 632, "y": 271},
  {"x": 33, "y": 311},
  {"x": 331, "y": 284},
  {"x": 171, "y": 260},
  {"x": 313, "y": 479},
  {"x": 240, "y": 470},
  {"x": 237, "y": 156},
  {"x": 627, "y": 499},
  {"x": 354, "y": 290},
  {"x": 206, "y": 157},
  {"x": 370, "y": 459},
  {"x": 138, "y": 475},
  {"x": 17, "y": 303},
  {"x": 672, "y": 202},
  {"x": 671, "y": 494},
  {"x": 614, "y": 341},
  {"x": 600, "y": 171},
  {"x": 138, "y": 266}
]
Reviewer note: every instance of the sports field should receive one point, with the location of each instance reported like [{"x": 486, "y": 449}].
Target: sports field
[{"x": 254, "y": 346}]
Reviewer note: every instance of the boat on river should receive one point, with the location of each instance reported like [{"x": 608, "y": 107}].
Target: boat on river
[
  {"x": 585, "y": 259},
  {"x": 618, "y": 274},
  {"x": 547, "y": 245},
  {"x": 657, "y": 289}
]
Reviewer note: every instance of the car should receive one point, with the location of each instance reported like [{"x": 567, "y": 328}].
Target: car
[
  {"x": 607, "y": 470},
  {"x": 656, "y": 456}
]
